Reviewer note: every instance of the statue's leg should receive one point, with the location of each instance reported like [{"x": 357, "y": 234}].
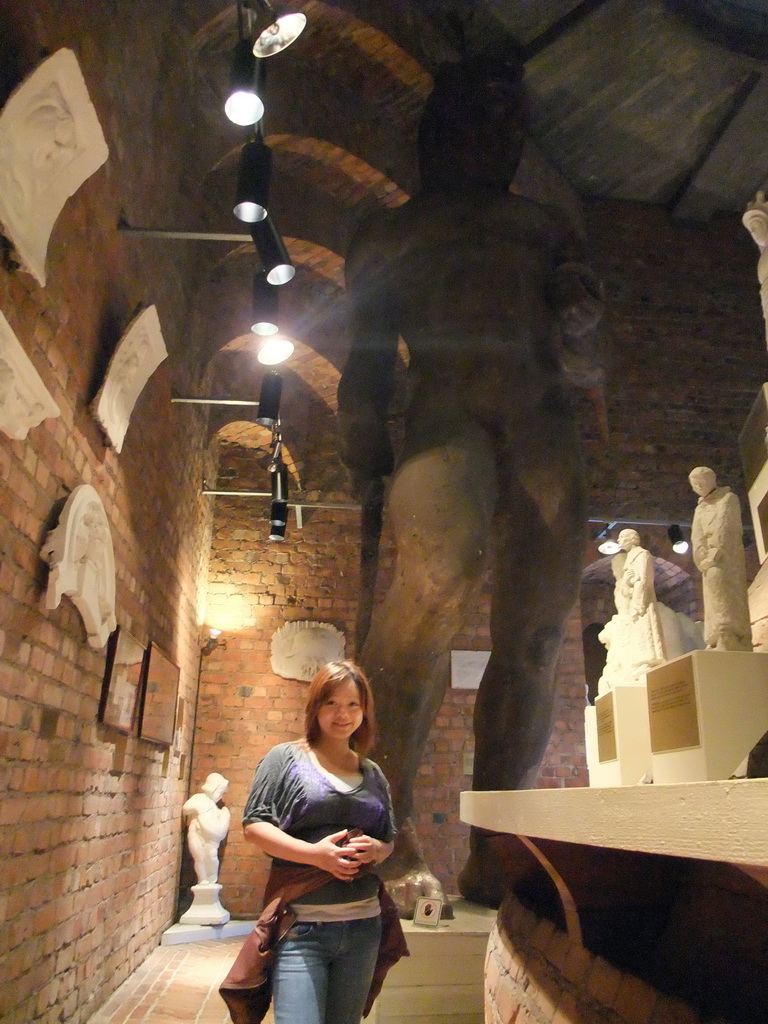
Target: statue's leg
[
  {"x": 538, "y": 545},
  {"x": 440, "y": 508}
]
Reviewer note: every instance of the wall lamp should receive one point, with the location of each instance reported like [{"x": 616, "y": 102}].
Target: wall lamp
[
  {"x": 269, "y": 399},
  {"x": 679, "y": 543},
  {"x": 265, "y": 306},
  {"x": 243, "y": 106},
  {"x": 275, "y": 33},
  {"x": 253, "y": 179},
  {"x": 607, "y": 546},
  {"x": 272, "y": 252},
  {"x": 212, "y": 642}
]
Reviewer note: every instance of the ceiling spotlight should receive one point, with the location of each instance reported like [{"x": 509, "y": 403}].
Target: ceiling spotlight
[
  {"x": 277, "y": 531},
  {"x": 272, "y": 252},
  {"x": 280, "y": 483},
  {"x": 264, "y": 307},
  {"x": 269, "y": 399},
  {"x": 278, "y": 513},
  {"x": 253, "y": 179},
  {"x": 275, "y": 350},
  {"x": 678, "y": 541},
  {"x": 275, "y": 33},
  {"x": 607, "y": 546},
  {"x": 243, "y": 106}
]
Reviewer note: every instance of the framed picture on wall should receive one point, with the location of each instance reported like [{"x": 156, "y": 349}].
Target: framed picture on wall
[
  {"x": 158, "y": 703},
  {"x": 122, "y": 681}
]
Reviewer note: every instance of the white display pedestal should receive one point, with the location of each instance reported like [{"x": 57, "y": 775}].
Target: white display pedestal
[
  {"x": 617, "y": 737},
  {"x": 706, "y": 710},
  {"x": 205, "y": 908}
]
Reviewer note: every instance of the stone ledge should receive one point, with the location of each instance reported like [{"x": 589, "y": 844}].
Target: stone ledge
[{"x": 719, "y": 821}]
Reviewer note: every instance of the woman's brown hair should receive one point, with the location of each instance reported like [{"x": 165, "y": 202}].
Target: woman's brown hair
[{"x": 322, "y": 686}]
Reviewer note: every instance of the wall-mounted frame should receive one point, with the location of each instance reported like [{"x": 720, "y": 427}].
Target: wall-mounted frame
[
  {"x": 159, "y": 692},
  {"x": 122, "y": 681}
]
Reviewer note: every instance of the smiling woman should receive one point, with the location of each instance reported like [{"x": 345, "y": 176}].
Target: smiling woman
[{"x": 320, "y": 802}]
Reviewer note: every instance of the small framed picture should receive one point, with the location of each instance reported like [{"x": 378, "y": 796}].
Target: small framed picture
[
  {"x": 427, "y": 911},
  {"x": 158, "y": 702},
  {"x": 122, "y": 681}
]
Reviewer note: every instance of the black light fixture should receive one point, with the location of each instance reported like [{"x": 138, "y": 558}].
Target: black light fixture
[
  {"x": 277, "y": 531},
  {"x": 679, "y": 543},
  {"x": 272, "y": 252},
  {"x": 253, "y": 177},
  {"x": 275, "y": 33},
  {"x": 265, "y": 306},
  {"x": 243, "y": 105},
  {"x": 278, "y": 513},
  {"x": 269, "y": 399},
  {"x": 280, "y": 483}
]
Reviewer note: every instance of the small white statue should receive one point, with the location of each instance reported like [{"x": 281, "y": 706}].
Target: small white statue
[
  {"x": 718, "y": 553},
  {"x": 208, "y": 826},
  {"x": 636, "y": 598},
  {"x": 755, "y": 220},
  {"x": 680, "y": 634}
]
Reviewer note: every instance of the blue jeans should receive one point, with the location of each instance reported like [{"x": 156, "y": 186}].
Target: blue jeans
[{"x": 322, "y": 971}]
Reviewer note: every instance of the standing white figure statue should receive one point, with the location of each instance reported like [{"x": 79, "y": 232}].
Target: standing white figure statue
[
  {"x": 718, "y": 553},
  {"x": 615, "y": 636},
  {"x": 208, "y": 826},
  {"x": 636, "y": 598},
  {"x": 755, "y": 220}
]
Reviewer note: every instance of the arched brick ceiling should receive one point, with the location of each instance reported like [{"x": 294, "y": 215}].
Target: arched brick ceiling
[
  {"x": 342, "y": 80},
  {"x": 312, "y": 306},
  {"x": 342, "y": 174},
  {"x": 319, "y": 192}
]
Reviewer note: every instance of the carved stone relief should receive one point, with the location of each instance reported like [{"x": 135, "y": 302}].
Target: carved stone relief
[
  {"x": 300, "y": 649},
  {"x": 50, "y": 143},
  {"x": 755, "y": 220},
  {"x": 80, "y": 553},
  {"x": 139, "y": 353},
  {"x": 24, "y": 399}
]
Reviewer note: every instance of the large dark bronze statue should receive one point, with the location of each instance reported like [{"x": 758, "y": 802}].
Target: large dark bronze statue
[{"x": 491, "y": 295}]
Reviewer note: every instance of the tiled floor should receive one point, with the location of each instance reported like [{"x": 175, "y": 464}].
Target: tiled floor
[{"x": 175, "y": 984}]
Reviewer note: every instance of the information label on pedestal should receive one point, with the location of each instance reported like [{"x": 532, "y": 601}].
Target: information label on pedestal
[
  {"x": 672, "y": 711},
  {"x": 606, "y": 728}
]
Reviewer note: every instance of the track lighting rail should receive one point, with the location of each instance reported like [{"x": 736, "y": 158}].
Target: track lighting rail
[{"x": 184, "y": 236}]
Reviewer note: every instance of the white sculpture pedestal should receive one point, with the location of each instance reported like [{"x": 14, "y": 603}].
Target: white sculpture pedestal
[
  {"x": 706, "y": 712},
  {"x": 618, "y": 738},
  {"x": 205, "y": 908}
]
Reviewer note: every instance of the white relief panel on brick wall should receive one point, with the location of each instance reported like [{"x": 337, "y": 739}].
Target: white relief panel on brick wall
[
  {"x": 300, "y": 649},
  {"x": 24, "y": 399},
  {"x": 138, "y": 354},
  {"x": 50, "y": 143},
  {"x": 80, "y": 553},
  {"x": 755, "y": 220}
]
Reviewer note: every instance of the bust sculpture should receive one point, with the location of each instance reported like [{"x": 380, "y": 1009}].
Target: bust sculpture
[
  {"x": 718, "y": 553},
  {"x": 208, "y": 826}
]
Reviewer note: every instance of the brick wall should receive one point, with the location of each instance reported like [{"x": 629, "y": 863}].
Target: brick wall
[
  {"x": 90, "y": 819},
  {"x": 535, "y": 974}
]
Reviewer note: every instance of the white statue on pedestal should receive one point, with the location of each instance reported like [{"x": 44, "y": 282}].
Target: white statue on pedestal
[
  {"x": 638, "y": 597},
  {"x": 681, "y": 635},
  {"x": 615, "y": 637},
  {"x": 634, "y": 636},
  {"x": 755, "y": 220},
  {"x": 208, "y": 826},
  {"x": 718, "y": 553}
]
